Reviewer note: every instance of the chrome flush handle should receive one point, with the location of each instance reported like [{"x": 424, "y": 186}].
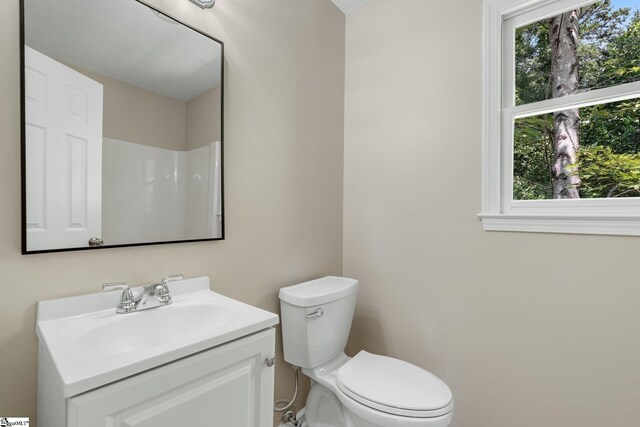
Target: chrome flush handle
[{"x": 318, "y": 313}]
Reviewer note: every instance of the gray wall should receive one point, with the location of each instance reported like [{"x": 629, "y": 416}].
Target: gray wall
[
  {"x": 202, "y": 126},
  {"x": 525, "y": 333},
  {"x": 284, "y": 73},
  {"x": 133, "y": 114}
]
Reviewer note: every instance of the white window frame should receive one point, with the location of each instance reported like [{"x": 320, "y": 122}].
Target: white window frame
[{"x": 499, "y": 211}]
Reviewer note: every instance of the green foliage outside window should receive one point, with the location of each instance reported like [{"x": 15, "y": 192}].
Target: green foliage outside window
[{"x": 609, "y": 155}]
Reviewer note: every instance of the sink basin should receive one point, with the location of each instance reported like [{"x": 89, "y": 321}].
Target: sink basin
[
  {"x": 151, "y": 329},
  {"x": 89, "y": 345}
]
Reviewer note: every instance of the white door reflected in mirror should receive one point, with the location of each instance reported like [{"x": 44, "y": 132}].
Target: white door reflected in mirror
[{"x": 64, "y": 154}]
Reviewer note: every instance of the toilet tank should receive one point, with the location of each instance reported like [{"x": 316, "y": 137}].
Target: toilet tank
[{"x": 316, "y": 319}]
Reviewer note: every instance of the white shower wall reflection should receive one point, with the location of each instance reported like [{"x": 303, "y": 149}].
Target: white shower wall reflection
[{"x": 152, "y": 194}]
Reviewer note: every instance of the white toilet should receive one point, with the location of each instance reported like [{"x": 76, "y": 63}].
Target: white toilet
[{"x": 364, "y": 391}]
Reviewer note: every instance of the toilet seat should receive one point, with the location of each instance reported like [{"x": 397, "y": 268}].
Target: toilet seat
[{"x": 393, "y": 386}]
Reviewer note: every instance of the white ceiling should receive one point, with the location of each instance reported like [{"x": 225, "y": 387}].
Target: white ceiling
[
  {"x": 348, "y": 5},
  {"x": 127, "y": 41}
]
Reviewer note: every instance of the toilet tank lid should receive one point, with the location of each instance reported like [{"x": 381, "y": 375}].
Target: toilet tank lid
[{"x": 319, "y": 291}]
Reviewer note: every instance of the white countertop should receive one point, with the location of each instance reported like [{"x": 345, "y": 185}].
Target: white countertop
[{"x": 90, "y": 345}]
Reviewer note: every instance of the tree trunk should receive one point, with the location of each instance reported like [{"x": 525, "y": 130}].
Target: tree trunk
[{"x": 564, "y": 79}]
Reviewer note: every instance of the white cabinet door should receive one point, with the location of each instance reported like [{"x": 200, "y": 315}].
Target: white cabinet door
[
  {"x": 228, "y": 386},
  {"x": 63, "y": 134}
]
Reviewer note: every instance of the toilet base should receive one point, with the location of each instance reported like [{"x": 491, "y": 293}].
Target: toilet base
[{"x": 324, "y": 409}]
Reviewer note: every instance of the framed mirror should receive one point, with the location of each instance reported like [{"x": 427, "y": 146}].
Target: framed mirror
[{"x": 122, "y": 127}]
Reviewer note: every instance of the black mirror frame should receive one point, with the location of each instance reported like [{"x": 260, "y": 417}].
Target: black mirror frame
[{"x": 23, "y": 159}]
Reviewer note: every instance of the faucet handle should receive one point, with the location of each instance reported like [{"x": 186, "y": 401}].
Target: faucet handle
[
  {"x": 114, "y": 285},
  {"x": 172, "y": 278},
  {"x": 162, "y": 290},
  {"x": 126, "y": 299}
]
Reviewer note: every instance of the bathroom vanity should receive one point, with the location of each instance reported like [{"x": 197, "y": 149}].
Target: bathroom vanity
[{"x": 204, "y": 359}]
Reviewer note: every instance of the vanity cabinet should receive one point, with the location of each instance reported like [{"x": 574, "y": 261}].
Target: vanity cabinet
[
  {"x": 200, "y": 361},
  {"x": 229, "y": 385}
]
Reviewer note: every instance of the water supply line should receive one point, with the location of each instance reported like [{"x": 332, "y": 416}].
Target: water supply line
[{"x": 277, "y": 406}]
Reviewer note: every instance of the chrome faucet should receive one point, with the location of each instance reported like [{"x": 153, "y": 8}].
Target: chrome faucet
[{"x": 146, "y": 297}]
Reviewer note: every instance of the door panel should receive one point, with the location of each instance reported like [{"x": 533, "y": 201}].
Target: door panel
[
  {"x": 37, "y": 182},
  {"x": 63, "y": 154},
  {"x": 77, "y": 149}
]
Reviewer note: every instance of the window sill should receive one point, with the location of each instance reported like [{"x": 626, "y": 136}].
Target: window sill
[{"x": 619, "y": 225}]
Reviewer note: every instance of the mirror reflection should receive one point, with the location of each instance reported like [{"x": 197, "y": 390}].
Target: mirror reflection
[{"x": 122, "y": 126}]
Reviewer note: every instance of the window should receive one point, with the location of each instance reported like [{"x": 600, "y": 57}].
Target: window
[{"x": 562, "y": 116}]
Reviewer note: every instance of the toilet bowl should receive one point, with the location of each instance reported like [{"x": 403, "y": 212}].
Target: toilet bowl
[{"x": 367, "y": 390}]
